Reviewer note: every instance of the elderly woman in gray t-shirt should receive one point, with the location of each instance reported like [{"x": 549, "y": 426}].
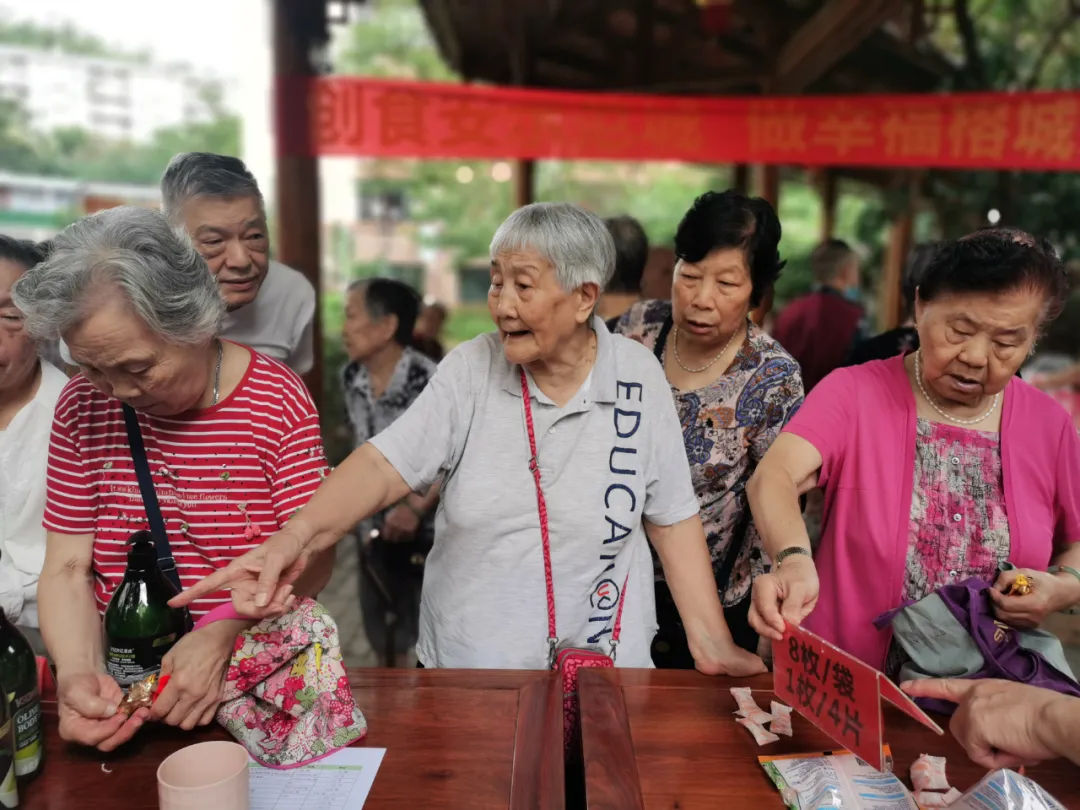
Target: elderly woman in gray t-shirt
[{"x": 611, "y": 464}]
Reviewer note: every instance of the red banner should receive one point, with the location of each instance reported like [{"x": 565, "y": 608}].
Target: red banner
[{"x": 379, "y": 118}]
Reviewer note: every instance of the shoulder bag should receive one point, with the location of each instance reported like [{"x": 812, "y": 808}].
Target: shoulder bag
[
  {"x": 166, "y": 561},
  {"x": 567, "y": 660}
]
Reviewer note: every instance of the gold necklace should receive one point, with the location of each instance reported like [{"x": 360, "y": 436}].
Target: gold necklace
[
  {"x": 934, "y": 405},
  {"x": 682, "y": 365}
]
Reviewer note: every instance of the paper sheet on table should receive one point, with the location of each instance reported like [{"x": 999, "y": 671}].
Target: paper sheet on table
[{"x": 341, "y": 781}]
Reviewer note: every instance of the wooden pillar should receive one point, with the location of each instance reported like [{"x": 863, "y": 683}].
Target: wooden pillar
[
  {"x": 828, "y": 205},
  {"x": 524, "y": 182},
  {"x": 767, "y": 186},
  {"x": 298, "y": 26},
  {"x": 890, "y": 297},
  {"x": 740, "y": 178}
]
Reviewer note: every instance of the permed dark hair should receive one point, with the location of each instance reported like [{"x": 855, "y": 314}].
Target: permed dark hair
[
  {"x": 631, "y": 254},
  {"x": 728, "y": 219},
  {"x": 20, "y": 251},
  {"x": 387, "y": 296},
  {"x": 997, "y": 260}
]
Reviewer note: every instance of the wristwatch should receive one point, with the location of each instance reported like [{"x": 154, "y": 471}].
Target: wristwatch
[{"x": 791, "y": 551}]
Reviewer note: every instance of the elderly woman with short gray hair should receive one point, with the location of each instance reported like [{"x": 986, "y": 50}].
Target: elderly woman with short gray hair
[
  {"x": 548, "y": 426},
  {"x": 231, "y": 438}
]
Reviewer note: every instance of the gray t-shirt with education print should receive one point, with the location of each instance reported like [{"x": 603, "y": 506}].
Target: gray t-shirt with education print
[{"x": 611, "y": 456}]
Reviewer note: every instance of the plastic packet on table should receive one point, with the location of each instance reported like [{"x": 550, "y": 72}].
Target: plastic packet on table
[
  {"x": 1006, "y": 790},
  {"x": 836, "y": 779}
]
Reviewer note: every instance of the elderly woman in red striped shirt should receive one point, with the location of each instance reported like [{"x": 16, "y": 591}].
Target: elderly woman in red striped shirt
[{"x": 232, "y": 439}]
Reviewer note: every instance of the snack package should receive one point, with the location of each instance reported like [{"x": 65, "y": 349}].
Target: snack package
[
  {"x": 1006, "y": 790},
  {"x": 928, "y": 773},
  {"x": 836, "y": 779},
  {"x": 758, "y": 716},
  {"x": 745, "y": 699},
  {"x": 781, "y": 719},
  {"x": 762, "y": 736},
  {"x": 928, "y": 798}
]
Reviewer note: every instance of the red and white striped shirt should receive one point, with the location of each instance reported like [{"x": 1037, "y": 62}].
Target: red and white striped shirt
[{"x": 256, "y": 455}]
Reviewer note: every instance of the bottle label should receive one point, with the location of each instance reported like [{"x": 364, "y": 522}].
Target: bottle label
[
  {"x": 131, "y": 659},
  {"x": 26, "y": 714},
  {"x": 9, "y": 791}
]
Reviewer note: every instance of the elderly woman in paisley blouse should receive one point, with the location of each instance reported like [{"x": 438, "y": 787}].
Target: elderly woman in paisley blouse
[
  {"x": 938, "y": 466},
  {"x": 734, "y": 387}
]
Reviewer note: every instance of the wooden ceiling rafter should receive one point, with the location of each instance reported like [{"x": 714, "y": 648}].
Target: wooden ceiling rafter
[{"x": 834, "y": 31}]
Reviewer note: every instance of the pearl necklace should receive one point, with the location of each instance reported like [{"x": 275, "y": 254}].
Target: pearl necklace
[
  {"x": 934, "y": 405},
  {"x": 675, "y": 345}
]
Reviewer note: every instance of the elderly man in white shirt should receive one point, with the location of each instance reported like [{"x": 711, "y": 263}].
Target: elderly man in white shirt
[
  {"x": 29, "y": 389},
  {"x": 271, "y": 307},
  {"x": 217, "y": 201}
]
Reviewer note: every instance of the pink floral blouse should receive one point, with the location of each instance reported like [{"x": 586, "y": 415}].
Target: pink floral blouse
[{"x": 958, "y": 526}]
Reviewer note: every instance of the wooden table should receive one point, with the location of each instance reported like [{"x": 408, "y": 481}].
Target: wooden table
[
  {"x": 455, "y": 739},
  {"x": 664, "y": 739}
]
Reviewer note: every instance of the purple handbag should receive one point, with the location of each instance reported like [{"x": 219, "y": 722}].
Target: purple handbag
[{"x": 953, "y": 633}]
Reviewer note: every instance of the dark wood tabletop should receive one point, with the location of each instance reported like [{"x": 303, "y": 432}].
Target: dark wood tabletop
[
  {"x": 488, "y": 740},
  {"x": 665, "y": 739}
]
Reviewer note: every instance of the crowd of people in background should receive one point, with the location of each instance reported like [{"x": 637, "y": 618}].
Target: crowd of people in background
[{"x": 622, "y": 464}]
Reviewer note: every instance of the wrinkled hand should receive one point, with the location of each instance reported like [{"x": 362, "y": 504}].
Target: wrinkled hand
[
  {"x": 401, "y": 524},
  {"x": 1050, "y": 593},
  {"x": 789, "y": 593},
  {"x": 87, "y": 704},
  {"x": 261, "y": 580},
  {"x": 196, "y": 668},
  {"x": 997, "y": 722},
  {"x": 725, "y": 659}
]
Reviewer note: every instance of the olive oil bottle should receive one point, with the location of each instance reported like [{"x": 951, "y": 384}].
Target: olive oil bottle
[
  {"x": 19, "y": 680},
  {"x": 140, "y": 627}
]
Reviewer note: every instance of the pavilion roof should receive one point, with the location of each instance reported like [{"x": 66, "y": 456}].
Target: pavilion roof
[{"x": 662, "y": 46}]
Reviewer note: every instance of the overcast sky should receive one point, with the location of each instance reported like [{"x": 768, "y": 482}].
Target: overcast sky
[{"x": 207, "y": 33}]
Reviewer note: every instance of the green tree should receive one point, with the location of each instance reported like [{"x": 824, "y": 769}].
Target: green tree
[
  {"x": 64, "y": 37},
  {"x": 1011, "y": 45}
]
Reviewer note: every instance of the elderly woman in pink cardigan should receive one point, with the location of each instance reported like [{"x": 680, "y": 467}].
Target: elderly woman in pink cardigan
[{"x": 937, "y": 466}]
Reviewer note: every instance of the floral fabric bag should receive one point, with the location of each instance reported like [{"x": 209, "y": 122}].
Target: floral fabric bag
[{"x": 287, "y": 696}]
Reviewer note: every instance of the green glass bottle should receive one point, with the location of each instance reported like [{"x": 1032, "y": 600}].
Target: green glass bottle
[
  {"x": 9, "y": 788},
  {"x": 18, "y": 675},
  {"x": 140, "y": 627}
]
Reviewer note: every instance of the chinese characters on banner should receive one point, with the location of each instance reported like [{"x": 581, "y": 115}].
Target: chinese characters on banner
[
  {"x": 382, "y": 118},
  {"x": 837, "y": 693}
]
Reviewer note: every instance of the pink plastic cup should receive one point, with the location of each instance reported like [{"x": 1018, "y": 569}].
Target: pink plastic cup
[{"x": 205, "y": 775}]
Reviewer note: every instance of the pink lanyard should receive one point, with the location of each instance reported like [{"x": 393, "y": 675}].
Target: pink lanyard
[{"x": 541, "y": 504}]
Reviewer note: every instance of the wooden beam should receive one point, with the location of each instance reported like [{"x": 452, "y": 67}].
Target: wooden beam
[
  {"x": 829, "y": 195},
  {"x": 767, "y": 186},
  {"x": 740, "y": 178},
  {"x": 297, "y": 27},
  {"x": 890, "y": 297},
  {"x": 823, "y": 40},
  {"x": 524, "y": 182}
]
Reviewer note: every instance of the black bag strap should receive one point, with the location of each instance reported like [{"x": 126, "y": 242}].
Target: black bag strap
[
  {"x": 166, "y": 562},
  {"x": 661, "y": 339}
]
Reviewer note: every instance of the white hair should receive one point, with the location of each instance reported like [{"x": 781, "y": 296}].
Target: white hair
[
  {"x": 575, "y": 242},
  {"x": 151, "y": 263},
  {"x": 190, "y": 175}
]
